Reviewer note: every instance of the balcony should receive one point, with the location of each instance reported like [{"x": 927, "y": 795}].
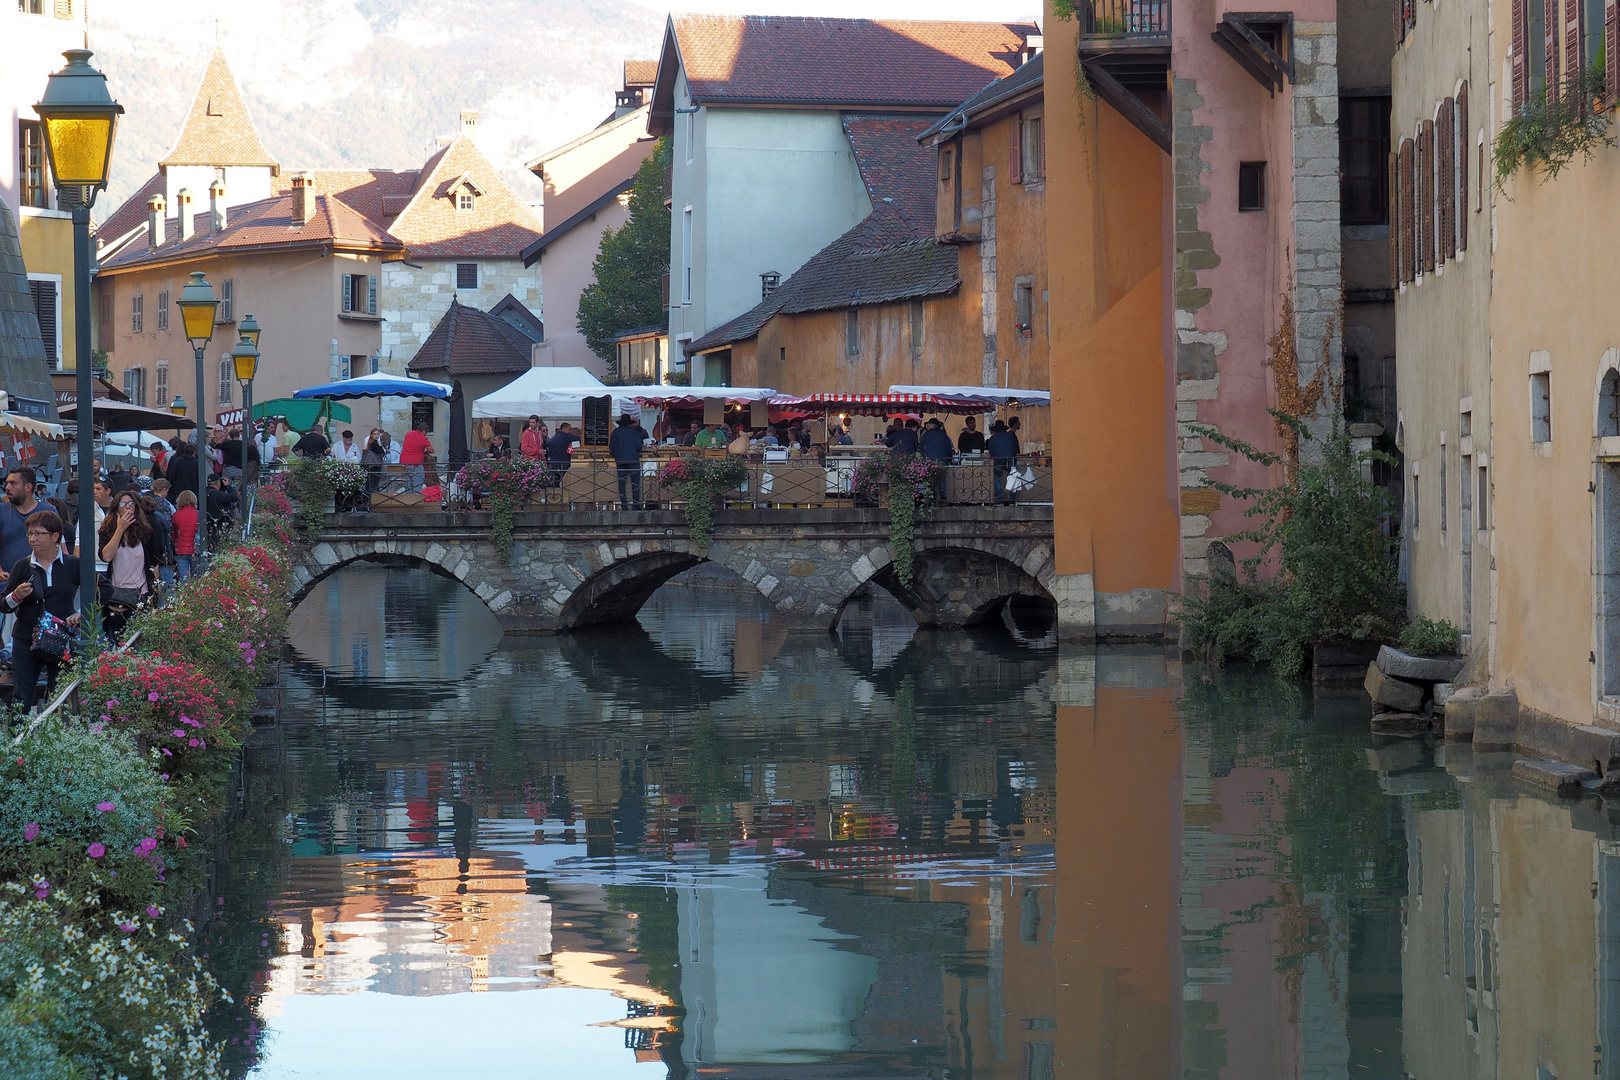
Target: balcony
[
  {"x": 1125, "y": 52},
  {"x": 1110, "y": 25}
]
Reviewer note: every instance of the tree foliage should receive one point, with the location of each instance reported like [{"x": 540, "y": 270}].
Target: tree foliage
[{"x": 627, "y": 290}]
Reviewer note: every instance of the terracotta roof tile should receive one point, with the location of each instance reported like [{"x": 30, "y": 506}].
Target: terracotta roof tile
[
  {"x": 892, "y": 163},
  {"x": 131, "y": 214},
  {"x": 377, "y": 194},
  {"x": 499, "y": 227},
  {"x": 468, "y": 341},
  {"x": 1028, "y": 79},
  {"x": 640, "y": 73},
  {"x": 265, "y": 223},
  {"x": 219, "y": 130},
  {"x": 844, "y": 61},
  {"x": 879, "y": 261}
]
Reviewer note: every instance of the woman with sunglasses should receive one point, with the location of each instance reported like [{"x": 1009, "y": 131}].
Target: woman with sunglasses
[
  {"x": 46, "y": 581},
  {"x": 131, "y": 556}
]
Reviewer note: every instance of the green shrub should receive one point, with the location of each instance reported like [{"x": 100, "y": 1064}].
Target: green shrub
[
  {"x": 104, "y": 996},
  {"x": 1427, "y": 637},
  {"x": 52, "y": 827},
  {"x": 1322, "y": 530}
]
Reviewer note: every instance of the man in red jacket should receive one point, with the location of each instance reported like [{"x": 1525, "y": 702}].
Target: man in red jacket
[
  {"x": 533, "y": 443},
  {"x": 412, "y": 455}
]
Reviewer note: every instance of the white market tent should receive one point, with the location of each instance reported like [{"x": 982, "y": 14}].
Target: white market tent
[
  {"x": 1001, "y": 395},
  {"x": 536, "y": 393}
]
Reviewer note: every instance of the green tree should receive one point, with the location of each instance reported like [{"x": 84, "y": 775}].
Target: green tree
[{"x": 631, "y": 263}]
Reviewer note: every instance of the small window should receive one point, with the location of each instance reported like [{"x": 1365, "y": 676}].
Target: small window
[
  {"x": 691, "y": 131},
  {"x": 31, "y": 7},
  {"x": 163, "y": 319},
  {"x": 373, "y": 365},
  {"x": 135, "y": 385},
  {"x": 107, "y": 306},
  {"x": 1482, "y": 522},
  {"x": 1445, "y": 471},
  {"x": 162, "y": 396},
  {"x": 1364, "y": 152},
  {"x": 227, "y": 380},
  {"x": 947, "y": 163},
  {"x": 1541, "y": 407},
  {"x": 1033, "y": 149},
  {"x": 466, "y": 275},
  {"x": 345, "y": 367},
  {"x": 1251, "y": 186},
  {"x": 852, "y": 332},
  {"x": 916, "y": 327},
  {"x": 64, "y": 9},
  {"x": 137, "y": 313},
  {"x": 227, "y": 300},
  {"x": 1465, "y": 426},
  {"x": 359, "y": 294},
  {"x": 31, "y": 163},
  {"x": 1609, "y": 405},
  {"x": 1417, "y": 500},
  {"x": 46, "y": 294},
  {"x": 1024, "y": 304},
  {"x": 464, "y": 200}
]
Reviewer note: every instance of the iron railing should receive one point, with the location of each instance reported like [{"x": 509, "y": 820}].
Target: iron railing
[{"x": 1127, "y": 18}]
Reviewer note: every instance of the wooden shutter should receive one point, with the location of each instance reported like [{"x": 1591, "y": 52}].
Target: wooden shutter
[
  {"x": 1015, "y": 138},
  {"x": 1404, "y": 167},
  {"x": 1425, "y": 180},
  {"x": 1550, "y": 25},
  {"x": 1521, "y": 16},
  {"x": 1039, "y": 128},
  {"x": 1611, "y": 49},
  {"x": 348, "y": 292},
  {"x": 1465, "y": 149},
  {"x": 43, "y": 293},
  {"x": 1393, "y": 165},
  {"x": 1447, "y": 175},
  {"x": 1574, "y": 45},
  {"x": 371, "y": 296}
]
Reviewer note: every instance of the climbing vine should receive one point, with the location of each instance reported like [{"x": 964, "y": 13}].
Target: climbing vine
[
  {"x": 1552, "y": 134},
  {"x": 913, "y": 484},
  {"x": 702, "y": 482},
  {"x": 509, "y": 482}
]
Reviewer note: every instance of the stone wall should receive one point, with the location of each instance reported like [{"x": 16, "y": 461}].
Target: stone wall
[{"x": 1318, "y": 243}]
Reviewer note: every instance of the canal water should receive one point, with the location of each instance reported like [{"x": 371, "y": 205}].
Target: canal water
[{"x": 701, "y": 845}]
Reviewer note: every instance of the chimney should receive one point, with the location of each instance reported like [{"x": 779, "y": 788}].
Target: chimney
[
  {"x": 768, "y": 281},
  {"x": 469, "y": 123},
  {"x": 1034, "y": 45},
  {"x": 156, "y": 209},
  {"x": 303, "y": 197},
  {"x": 216, "y": 206},
  {"x": 182, "y": 207}
]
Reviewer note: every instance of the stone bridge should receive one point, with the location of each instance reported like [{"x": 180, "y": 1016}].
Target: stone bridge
[{"x": 573, "y": 569}]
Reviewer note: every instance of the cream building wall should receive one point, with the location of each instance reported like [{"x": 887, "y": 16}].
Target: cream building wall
[{"x": 1444, "y": 384}]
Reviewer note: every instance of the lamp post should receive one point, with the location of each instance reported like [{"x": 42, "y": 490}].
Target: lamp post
[
  {"x": 78, "y": 120},
  {"x": 197, "y": 306},
  {"x": 246, "y": 358}
]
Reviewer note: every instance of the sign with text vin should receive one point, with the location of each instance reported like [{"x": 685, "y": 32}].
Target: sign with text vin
[{"x": 597, "y": 419}]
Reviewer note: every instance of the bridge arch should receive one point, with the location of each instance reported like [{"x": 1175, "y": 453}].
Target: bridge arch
[
  {"x": 965, "y": 582},
  {"x": 482, "y": 577}
]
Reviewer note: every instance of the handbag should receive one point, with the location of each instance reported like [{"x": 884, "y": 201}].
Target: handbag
[
  {"x": 114, "y": 596},
  {"x": 53, "y": 638}
]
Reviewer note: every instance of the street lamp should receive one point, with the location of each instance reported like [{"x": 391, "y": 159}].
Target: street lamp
[
  {"x": 78, "y": 119},
  {"x": 178, "y": 405},
  {"x": 246, "y": 358},
  {"x": 197, "y": 306}
]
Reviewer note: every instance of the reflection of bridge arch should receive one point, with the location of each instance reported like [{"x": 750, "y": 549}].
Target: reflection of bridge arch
[{"x": 574, "y": 570}]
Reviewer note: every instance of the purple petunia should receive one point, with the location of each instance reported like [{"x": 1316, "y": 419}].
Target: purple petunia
[
  {"x": 31, "y": 831},
  {"x": 179, "y": 734},
  {"x": 105, "y": 807},
  {"x": 153, "y": 696},
  {"x": 128, "y": 927},
  {"x": 96, "y": 850}
]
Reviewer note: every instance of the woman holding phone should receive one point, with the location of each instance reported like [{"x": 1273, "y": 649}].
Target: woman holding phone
[{"x": 46, "y": 581}]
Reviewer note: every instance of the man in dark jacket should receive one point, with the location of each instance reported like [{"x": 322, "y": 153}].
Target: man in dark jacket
[
  {"x": 971, "y": 441},
  {"x": 182, "y": 470},
  {"x": 1003, "y": 448},
  {"x": 222, "y": 500},
  {"x": 557, "y": 450},
  {"x": 903, "y": 439},
  {"x": 935, "y": 444},
  {"x": 625, "y": 446}
]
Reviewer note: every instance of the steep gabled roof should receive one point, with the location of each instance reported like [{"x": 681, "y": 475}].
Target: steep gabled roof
[
  {"x": 1001, "y": 96},
  {"x": 376, "y": 194},
  {"x": 468, "y": 341},
  {"x": 535, "y": 250},
  {"x": 430, "y": 225},
  {"x": 266, "y": 225},
  {"x": 831, "y": 63},
  {"x": 131, "y": 213},
  {"x": 879, "y": 261},
  {"x": 639, "y": 73},
  {"x": 892, "y": 163},
  {"x": 218, "y": 129}
]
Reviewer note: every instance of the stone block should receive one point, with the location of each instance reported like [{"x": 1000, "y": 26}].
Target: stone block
[
  {"x": 1400, "y": 722},
  {"x": 1344, "y": 651},
  {"x": 1558, "y": 776},
  {"x": 1431, "y": 669},
  {"x": 1442, "y": 694},
  {"x": 1496, "y": 719},
  {"x": 1398, "y": 694}
]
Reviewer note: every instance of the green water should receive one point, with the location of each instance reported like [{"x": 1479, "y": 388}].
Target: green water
[{"x": 701, "y": 845}]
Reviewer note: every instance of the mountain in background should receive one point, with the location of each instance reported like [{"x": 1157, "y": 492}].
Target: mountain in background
[{"x": 371, "y": 83}]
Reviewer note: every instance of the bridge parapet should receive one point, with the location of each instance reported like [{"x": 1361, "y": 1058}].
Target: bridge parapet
[{"x": 572, "y": 569}]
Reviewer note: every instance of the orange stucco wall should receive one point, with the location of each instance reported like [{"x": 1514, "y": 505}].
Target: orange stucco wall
[{"x": 1114, "y": 478}]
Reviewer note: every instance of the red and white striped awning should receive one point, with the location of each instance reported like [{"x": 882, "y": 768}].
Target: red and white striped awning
[{"x": 880, "y": 404}]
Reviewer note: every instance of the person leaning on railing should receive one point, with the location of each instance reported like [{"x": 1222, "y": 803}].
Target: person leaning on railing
[
  {"x": 46, "y": 581},
  {"x": 1003, "y": 449}
]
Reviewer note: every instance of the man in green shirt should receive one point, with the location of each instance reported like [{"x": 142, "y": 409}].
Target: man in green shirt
[{"x": 708, "y": 437}]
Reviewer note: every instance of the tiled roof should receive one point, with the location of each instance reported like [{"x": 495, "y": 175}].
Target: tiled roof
[
  {"x": 377, "y": 194},
  {"x": 640, "y": 73},
  {"x": 879, "y": 261},
  {"x": 131, "y": 214},
  {"x": 430, "y": 225},
  {"x": 898, "y": 63},
  {"x": 218, "y": 130},
  {"x": 264, "y": 224},
  {"x": 893, "y": 164},
  {"x": 468, "y": 341},
  {"x": 1026, "y": 80}
]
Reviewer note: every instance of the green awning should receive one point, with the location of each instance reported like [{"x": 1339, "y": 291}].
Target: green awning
[{"x": 302, "y": 413}]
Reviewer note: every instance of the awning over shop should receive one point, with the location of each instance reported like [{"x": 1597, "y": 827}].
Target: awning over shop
[
  {"x": 879, "y": 404},
  {"x": 110, "y": 415},
  {"x": 999, "y": 395}
]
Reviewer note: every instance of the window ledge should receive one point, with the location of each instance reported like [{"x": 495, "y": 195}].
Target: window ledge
[{"x": 355, "y": 316}]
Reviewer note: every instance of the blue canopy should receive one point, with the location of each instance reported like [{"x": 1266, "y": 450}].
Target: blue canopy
[{"x": 378, "y": 384}]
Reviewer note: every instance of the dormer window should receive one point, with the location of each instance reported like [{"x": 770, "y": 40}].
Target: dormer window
[
  {"x": 464, "y": 200},
  {"x": 464, "y": 193}
]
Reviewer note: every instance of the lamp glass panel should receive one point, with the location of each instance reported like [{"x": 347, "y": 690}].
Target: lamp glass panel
[
  {"x": 247, "y": 365},
  {"x": 199, "y": 320},
  {"x": 78, "y": 146}
]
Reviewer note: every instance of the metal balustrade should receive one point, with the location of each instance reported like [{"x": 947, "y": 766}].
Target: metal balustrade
[{"x": 1127, "y": 18}]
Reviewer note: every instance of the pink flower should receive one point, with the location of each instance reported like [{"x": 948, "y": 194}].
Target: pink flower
[
  {"x": 180, "y": 840},
  {"x": 193, "y": 742},
  {"x": 105, "y": 807},
  {"x": 96, "y": 850},
  {"x": 31, "y": 831},
  {"x": 151, "y": 909},
  {"x": 42, "y": 888},
  {"x": 179, "y": 734},
  {"x": 128, "y": 927},
  {"x": 153, "y": 696}
]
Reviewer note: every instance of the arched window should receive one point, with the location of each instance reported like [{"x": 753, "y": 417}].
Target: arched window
[{"x": 1608, "y": 418}]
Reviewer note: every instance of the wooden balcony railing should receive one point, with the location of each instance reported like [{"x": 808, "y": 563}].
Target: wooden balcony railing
[{"x": 1127, "y": 19}]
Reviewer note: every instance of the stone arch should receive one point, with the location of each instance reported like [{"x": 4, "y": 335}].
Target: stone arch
[
  {"x": 478, "y": 571},
  {"x": 1606, "y": 406},
  {"x": 619, "y": 588},
  {"x": 962, "y": 583}
]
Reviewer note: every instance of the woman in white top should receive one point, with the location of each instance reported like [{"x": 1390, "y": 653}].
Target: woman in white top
[{"x": 128, "y": 549}]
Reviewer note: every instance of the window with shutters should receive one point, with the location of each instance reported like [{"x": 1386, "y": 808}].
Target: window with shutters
[
  {"x": 1251, "y": 186},
  {"x": 916, "y": 328},
  {"x": 345, "y": 367},
  {"x": 135, "y": 385},
  {"x": 46, "y": 293},
  {"x": 359, "y": 294},
  {"x": 1364, "y": 160},
  {"x": 1425, "y": 179},
  {"x": 373, "y": 365},
  {"x": 1406, "y": 222},
  {"x": 1032, "y": 150},
  {"x": 466, "y": 275},
  {"x": 1541, "y": 406},
  {"x": 137, "y": 313},
  {"x": 227, "y": 301},
  {"x": 852, "y": 332},
  {"x": 31, "y": 164},
  {"x": 947, "y": 161},
  {"x": 161, "y": 382},
  {"x": 163, "y": 318},
  {"x": 64, "y": 9},
  {"x": 227, "y": 380}
]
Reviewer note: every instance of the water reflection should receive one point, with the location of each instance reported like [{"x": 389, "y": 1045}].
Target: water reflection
[{"x": 705, "y": 845}]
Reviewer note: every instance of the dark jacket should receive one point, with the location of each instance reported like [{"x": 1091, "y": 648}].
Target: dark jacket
[
  {"x": 58, "y": 599},
  {"x": 625, "y": 444},
  {"x": 970, "y": 442},
  {"x": 1003, "y": 446},
  {"x": 902, "y": 441},
  {"x": 557, "y": 448},
  {"x": 935, "y": 444},
  {"x": 222, "y": 503},
  {"x": 182, "y": 473}
]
